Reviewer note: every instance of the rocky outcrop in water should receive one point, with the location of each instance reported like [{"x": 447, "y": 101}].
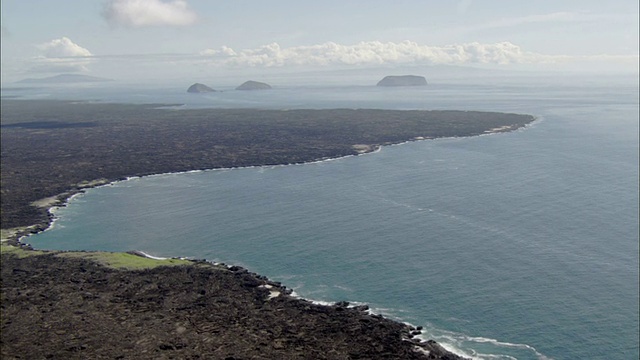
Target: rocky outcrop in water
[
  {"x": 198, "y": 88},
  {"x": 404, "y": 80},
  {"x": 254, "y": 85}
]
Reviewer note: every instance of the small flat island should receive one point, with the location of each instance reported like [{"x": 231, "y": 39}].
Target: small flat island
[
  {"x": 85, "y": 305},
  {"x": 403, "y": 80}
]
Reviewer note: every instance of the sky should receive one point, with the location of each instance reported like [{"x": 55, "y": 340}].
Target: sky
[{"x": 145, "y": 39}]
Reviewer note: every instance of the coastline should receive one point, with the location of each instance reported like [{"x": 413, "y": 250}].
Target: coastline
[
  {"x": 62, "y": 200},
  {"x": 252, "y": 299},
  {"x": 418, "y": 346},
  {"x": 412, "y": 333},
  {"x": 139, "y": 140},
  {"x": 17, "y": 236}
]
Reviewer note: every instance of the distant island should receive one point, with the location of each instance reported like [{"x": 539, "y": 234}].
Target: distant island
[
  {"x": 199, "y": 88},
  {"x": 403, "y": 80},
  {"x": 254, "y": 85},
  {"x": 64, "y": 79}
]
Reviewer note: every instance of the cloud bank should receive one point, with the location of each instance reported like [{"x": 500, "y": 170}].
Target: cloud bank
[
  {"x": 62, "y": 55},
  {"x": 374, "y": 53},
  {"x": 141, "y": 13}
]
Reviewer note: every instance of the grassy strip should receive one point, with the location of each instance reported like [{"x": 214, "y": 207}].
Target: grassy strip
[
  {"x": 109, "y": 259},
  {"x": 18, "y": 251},
  {"x": 125, "y": 260}
]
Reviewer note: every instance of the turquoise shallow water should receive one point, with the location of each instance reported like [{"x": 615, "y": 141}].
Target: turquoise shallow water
[{"x": 520, "y": 245}]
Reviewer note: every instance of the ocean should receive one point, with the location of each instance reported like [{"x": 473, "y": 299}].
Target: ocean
[{"x": 521, "y": 245}]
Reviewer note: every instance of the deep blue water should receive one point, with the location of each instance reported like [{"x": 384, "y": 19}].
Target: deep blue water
[{"x": 520, "y": 245}]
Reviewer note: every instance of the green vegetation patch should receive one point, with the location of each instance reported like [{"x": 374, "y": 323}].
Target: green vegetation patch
[
  {"x": 109, "y": 259},
  {"x": 18, "y": 251},
  {"x": 125, "y": 260}
]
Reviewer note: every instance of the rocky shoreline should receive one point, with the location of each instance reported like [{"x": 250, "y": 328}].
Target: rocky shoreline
[
  {"x": 67, "y": 305},
  {"x": 62, "y": 305}
]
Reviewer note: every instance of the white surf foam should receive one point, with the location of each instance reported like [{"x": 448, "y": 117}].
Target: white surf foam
[{"x": 151, "y": 256}]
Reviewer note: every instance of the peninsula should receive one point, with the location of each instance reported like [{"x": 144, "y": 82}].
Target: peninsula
[{"x": 59, "y": 304}]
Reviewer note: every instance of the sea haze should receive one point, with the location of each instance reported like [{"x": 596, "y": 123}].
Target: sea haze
[{"x": 519, "y": 245}]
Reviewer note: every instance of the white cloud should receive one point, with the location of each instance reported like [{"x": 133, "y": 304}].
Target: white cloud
[
  {"x": 63, "y": 47},
  {"x": 62, "y": 55},
  {"x": 140, "y": 13},
  {"x": 374, "y": 53}
]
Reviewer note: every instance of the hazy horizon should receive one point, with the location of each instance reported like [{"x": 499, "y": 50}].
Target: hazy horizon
[
  {"x": 143, "y": 40},
  {"x": 366, "y": 76}
]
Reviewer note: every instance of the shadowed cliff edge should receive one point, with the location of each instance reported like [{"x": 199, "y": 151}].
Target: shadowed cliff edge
[{"x": 77, "y": 305}]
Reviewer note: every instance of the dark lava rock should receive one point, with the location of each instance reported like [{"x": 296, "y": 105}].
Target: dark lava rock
[
  {"x": 67, "y": 307},
  {"x": 199, "y": 88},
  {"x": 254, "y": 85},
  {"x": 404, "y": 80}
]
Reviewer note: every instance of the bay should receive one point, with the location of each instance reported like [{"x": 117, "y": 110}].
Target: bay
[{"x": 520, "y": 245}]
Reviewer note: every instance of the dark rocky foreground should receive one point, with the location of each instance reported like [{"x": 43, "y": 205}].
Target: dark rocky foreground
[{"x": 57, "y": 307}]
